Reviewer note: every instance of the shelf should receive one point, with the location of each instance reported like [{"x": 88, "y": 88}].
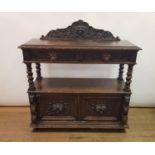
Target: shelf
[{"x": 79, "y": 85}]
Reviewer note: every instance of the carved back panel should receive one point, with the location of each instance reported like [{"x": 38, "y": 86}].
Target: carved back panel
[{"x": 80, "y": 30}]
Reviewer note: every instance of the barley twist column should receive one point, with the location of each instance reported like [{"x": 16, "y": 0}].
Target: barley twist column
[
  {"x": 120, "y": 75},
  {"x": 38, "y": 71},
  {"x": 128, "y": 78},
  {"x": 30, "y": 76}
]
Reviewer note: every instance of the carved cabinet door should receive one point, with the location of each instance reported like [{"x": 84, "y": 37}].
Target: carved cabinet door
[
  {"x": 100, "y": 107},
  {"x": 57, "y": 107}
]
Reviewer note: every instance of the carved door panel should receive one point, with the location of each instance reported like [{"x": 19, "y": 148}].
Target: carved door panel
[
  {"x": 57, "y": 107},
  {"x": 100, "y": 108}
]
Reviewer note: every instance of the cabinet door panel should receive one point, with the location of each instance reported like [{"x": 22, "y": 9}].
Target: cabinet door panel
[
  {"x": 57, "y": 107},
  {"x": 98, "y": 107}
]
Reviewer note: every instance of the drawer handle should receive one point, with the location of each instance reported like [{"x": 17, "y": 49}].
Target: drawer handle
[
  {"x": 106, "y": 56},
  {"x": 100, "y": 108},
  {"x": 53, "y": 56}
]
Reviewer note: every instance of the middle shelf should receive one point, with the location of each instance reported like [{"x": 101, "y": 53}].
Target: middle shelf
[{"x": 79, "y": 85}]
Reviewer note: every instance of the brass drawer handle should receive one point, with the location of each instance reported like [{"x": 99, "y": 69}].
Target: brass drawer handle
[
  {"x": 106, "y": 56},
  {"x": 53, "y": 56}
]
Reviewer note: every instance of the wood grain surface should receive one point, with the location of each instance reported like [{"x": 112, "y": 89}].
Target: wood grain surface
[
  {"x": 14, "y": 126},
  {"x": 79, "y": 44},
  {"x": 79, "y": 85}
]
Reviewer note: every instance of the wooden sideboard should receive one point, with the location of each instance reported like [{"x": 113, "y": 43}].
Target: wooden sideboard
[{"x": 88, "y": 103}]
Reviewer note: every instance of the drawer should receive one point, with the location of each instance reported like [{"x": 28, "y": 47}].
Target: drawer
[
  {"x": 79, "y": 56},
  {"x": 98, "y": 107},
  {"x": 57, "y": 107},
  {"x": 50, "y": 56}
]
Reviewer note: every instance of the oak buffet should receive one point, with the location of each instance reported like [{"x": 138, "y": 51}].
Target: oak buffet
[{"x": 88, "y": 103}]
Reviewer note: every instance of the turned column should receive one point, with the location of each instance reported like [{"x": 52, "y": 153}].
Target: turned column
[
  {"x": 38, "y": 71},
  {"x": 129, "y": 77},
  {"x": 120, "y": 74},
  {"x": 30, "y": 76}
]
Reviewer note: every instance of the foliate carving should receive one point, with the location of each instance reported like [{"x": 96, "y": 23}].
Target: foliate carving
[
  {"x": 33, "y": 107},
  {"x": 80, "y": 30},
  {"x": 125, "y": 109},
  {"x": 98, "y": 107},
  {"x": 58, "y": 107}
]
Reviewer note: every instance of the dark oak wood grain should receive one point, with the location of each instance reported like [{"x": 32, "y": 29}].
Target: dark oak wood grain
[{"x": 79, "y": 102}]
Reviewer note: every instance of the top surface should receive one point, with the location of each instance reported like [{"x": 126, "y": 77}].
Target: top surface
[{"x": 79, "y": 44}]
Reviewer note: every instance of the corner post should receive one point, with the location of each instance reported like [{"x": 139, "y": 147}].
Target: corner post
[
  {"x": 33, "y": 106},
  {"x": 125, "y": 110}
]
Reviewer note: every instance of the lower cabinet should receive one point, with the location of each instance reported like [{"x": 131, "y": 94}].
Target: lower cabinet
[{"x": 78, "y": 111}]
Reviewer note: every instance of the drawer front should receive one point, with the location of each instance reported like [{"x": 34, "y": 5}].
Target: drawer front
[
  {"x": 100, "y": 107},
  {"x": 57, "y": 107},
  {"x": 80, "y": 56}
]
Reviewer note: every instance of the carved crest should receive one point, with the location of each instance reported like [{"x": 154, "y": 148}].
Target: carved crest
[{"x": 80, "y": 30}]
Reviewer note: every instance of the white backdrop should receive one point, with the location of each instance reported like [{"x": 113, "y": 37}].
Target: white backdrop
[{"x": 17, "y": 28}]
